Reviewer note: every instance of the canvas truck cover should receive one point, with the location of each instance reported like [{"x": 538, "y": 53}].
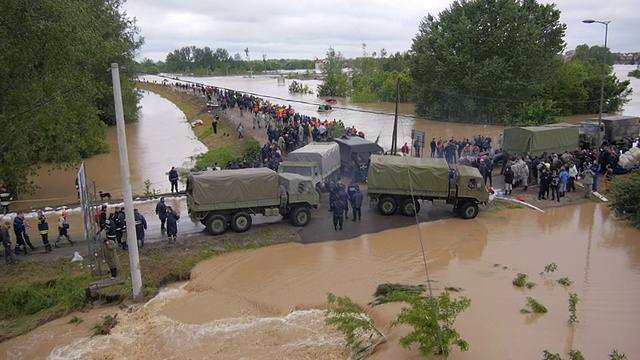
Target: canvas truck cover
[
  {"x": 296, "y": 184},
  {"x": 327, "y": 156},
  {"x": 391, "y": 175},
  {"x": 356, "y": 144},
  {"x": 538, "y": 139},
  {"x": 617, "y": 127},
  {"x": 231, "y": 186}
]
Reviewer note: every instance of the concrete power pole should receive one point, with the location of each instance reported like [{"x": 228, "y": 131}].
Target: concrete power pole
[{"x": 132, "y": 238}]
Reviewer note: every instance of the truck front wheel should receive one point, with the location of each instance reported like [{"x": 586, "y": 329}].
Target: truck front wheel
[
  {"x": 241, "y": 222},
  {"x": 300, "y": 216},
  {"x": 216, "y": 224},
  {"x": 387, "y": 206},
  {"x": 410, "y": 207},
  {"x": 469, "y": 210}
]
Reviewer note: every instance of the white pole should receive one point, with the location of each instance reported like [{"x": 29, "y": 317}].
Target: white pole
[{"x": 132, "y": 239}]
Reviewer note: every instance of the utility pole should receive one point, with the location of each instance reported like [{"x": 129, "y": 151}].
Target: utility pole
[
  {"x": 394, "y": 136},
  {"x": 132, "y": 238}
]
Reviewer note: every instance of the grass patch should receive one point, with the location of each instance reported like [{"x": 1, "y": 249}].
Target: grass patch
[
  {"x": 35, "y": 292},
  {"x": 194, "y": 108}
]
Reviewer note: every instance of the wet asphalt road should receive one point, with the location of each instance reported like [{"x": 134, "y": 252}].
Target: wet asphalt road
[{"x": 320, "y": 229}]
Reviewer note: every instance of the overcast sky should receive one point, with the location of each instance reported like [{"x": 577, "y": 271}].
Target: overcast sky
[{"x": 305, "y": 29}]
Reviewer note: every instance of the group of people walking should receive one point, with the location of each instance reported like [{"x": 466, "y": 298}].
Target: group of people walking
[{"x": 23, "y": 242}]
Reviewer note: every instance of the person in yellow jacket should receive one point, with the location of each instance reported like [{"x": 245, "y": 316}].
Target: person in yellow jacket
[
  {"x": 5, "y": 200},
  {"x": 43, "y": 229}
]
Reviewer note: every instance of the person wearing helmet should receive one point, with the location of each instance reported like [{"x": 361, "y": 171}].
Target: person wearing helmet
[{"x": 63, "y": 229}]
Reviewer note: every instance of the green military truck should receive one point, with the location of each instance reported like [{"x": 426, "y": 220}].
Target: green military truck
[
  {"x": 399, "y": 182},
  {"x": 613, "y": 130},
  {"x": 318, "y": 162},
  {"x": 219, "y": 199}
]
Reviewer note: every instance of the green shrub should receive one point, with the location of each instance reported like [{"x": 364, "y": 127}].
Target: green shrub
[
  {"x": 625, "y": 199},
  {"x": 520, "y": 280}
]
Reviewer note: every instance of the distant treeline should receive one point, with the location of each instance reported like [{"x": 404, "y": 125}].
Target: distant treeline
[{"x": 206, "y": 61}]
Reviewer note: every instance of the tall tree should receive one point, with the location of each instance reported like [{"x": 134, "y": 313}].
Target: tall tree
[
  {"x": 54, "y": 84},
  {"x": 480, "y": 60},
  {"x": 335, "y": 83}
]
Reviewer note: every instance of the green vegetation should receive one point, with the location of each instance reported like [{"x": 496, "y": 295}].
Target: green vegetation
[
  {"x": 546, "y": 355},
  {"x": 336, "y": 83},
  {"x": 35, "y": 292},
  {"x": 577, "y": 355},
  {"x": 75, "y": 320},
  {"x": 552, "y": 267},
  {"x": 530, "y": 285},
  {"x": 298, "y": 88},
  {"x": 352, "y": 321},
  {"x": 221, "y": 148},
  {"x": 573, "y": 304},
  {"x": 104, "y": 327},
  {"x": 56, "y": 94},
  {"x": 520, "y": 280},
  {"x": 245, "y": 151},
  {"x": 635, "y": 73},
  {"x": 384, "y": 291},
  {"x": 625, "y": 199},
  {"x": 534, "y": 306},
  {"x": 492, "y": 61},
  {"x": 573, "y": 355},
  {"x": 432, "y": 321},
  {"x": 564, "y": 281},
  {"x": 207, "y": 62},
  {"x": 615, "y": 355}
]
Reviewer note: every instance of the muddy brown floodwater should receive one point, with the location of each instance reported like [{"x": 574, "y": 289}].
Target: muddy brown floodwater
[
  {"x": 267, "y": 303},
  {"x": 162, "y": 138}
]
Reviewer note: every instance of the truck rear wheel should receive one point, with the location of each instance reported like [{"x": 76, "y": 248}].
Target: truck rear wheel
[
  {"x": 410, "y": 207},
  {"x": 387, "y": 206},
  {"x": 468, "y": 210},
  {"x": 300, "y": 216},
  {"x": 241, "y": 222},
  {"x": 216, "y": 224}
]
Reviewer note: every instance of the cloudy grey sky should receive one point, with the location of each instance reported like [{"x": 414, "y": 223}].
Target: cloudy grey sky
[{"x": 305, "y": 29}]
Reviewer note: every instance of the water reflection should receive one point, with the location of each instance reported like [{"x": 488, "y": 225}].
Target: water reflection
[{"x": 161, "y": 139}]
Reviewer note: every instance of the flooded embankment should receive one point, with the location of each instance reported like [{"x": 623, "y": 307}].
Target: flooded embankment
[{"x": 267, "y": 303}]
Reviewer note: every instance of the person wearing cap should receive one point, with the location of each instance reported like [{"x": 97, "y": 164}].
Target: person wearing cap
[
  {"x": 5, "y": 238},
  {"x": 141, "y": 226},
  {"x": 63, "y": 229}
]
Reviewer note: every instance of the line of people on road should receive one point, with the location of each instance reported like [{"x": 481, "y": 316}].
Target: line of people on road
[{"x": 22, "y": 239}]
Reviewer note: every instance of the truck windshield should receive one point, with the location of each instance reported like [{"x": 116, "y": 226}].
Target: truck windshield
[{"x": 300, "y": 170}]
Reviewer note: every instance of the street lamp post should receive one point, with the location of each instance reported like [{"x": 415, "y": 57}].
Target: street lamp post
[{"x": 604, "y": 73}]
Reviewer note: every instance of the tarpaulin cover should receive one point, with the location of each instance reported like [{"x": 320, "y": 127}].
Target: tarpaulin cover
[
  {"x": 295, "y": 184},
  {"x": 391, "y": 174},
  {"x": 356, "y": 144},
  {"x": 229, "y": 186},
  {"x": 538, "y": 139},
  {"x": 327, "y": 156}
]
